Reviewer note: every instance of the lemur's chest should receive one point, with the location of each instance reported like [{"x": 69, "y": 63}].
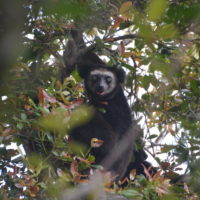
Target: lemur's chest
[{"x": 117, "y": 115}]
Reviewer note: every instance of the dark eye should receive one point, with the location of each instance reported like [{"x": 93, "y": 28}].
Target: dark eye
[
  {"x": 108, "y": 79},
  {"x": 94, "y": 77}
]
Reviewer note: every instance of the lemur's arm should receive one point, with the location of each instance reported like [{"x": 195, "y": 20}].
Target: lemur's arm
[{"x": 77, "y": 54}]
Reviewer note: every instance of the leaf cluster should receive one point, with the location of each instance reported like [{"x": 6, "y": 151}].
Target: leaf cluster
[{"x": 157, "y": 42}]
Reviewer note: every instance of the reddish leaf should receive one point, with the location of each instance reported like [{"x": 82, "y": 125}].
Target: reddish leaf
[
  {"x": 157, "y": 175},
  {"x": 21, "y": 96},
  {"x": 125, "y": 7},
  {"x": 170, "y": 129},
  {"x": 186, "y": 188},
  {"x": 7, "y": 132},
  {"x": 84, "y": 161},
  {"x": 125, "y": 180},
  {"x": 74, "y": 168},
  {"x": 33, "y": 190},
  {"x": 48, "y": 98},
  {"x": 165, "y": 165},
  {"x": 43, "y": 96},
  {"x": 132, "y": 174},
  {"x": 121, "y": 48},
  {"x": 171, "y": 175},
  {"x": 18, "y": 185},
  {"x": 178, "y": 169},
  {"x": 127, "y": 54},
  {"x": 82, "y": 180},
  {"x": 40, "y": 96},
  {"x": 147, "y": 171},
  {"x": 108, "y": 39},
  {"x": 76, "y": 102},
  {"x": 162, "y": 188},
  {"x": 27, "y": 107},
  {"x": 117, "y": 22}
]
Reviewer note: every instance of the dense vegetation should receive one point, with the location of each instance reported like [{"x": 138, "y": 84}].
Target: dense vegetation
[{"x": 157, "y": 42}]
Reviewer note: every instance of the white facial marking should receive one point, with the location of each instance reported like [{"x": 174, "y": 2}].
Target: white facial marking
[{"x": 104, "y": 72}]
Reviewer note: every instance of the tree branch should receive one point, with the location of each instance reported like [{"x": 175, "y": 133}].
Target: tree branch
[{"x": 123, "y": 37}]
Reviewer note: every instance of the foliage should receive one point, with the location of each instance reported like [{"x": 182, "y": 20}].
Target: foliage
[{"x": 156, "y": 41}]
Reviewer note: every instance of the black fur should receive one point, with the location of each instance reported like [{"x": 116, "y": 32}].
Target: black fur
[
  {"x": 112, "y": 122},
  {"x": 110, "y": 125}
]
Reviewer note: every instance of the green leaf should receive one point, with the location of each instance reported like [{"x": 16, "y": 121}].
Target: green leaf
[
  {"x": 60, "y": 121},
  {"x": 146, "y": 97},
  {"x": 146, "y": 32},
  {"x": 159, "y": 64},
  {"x": 97, "y": 166},
  {"x": 91, "y": 158},
  {"x": 23, "y": 116},
  {"x": 156, "y": 9},
  {"x": 146, "y": 60},
  {"x": 20, "y": 126},
  {"x": 50, "y": 137},
  {"x": 166, "y": 31},
  {"x": 102, "y": 110},
  {"x": 127, "y": 66},
  {"x": 125, "y": 7},
  {"x": 42, "y": 185},
  {"x": 182, "y": 13},
  {"x": 167, "y": 148},
  {"x": 139, "y": 44},
  {"x": 74, "y": 9},
  {"x": 152, "y": 136},
  {"x": 193, "y": 148},
  {"x": 146, "y": 82},
  {"x": 142, "y": 180},
  {"x": 1, "y": 139},
  {"x": 76, "y": 76},
  {"x": 78, "y": 148},
  {"x": 131, "y": 193},
  {"x": 36, "y": 163}
]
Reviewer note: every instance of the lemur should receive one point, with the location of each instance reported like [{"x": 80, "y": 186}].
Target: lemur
[{"x": 112, "y": 117}]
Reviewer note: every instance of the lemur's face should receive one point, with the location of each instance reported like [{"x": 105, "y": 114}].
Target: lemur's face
[{"x": 101, "y": 82}]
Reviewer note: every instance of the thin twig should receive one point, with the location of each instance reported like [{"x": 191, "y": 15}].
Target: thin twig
[{"x": 123, "y": 37}]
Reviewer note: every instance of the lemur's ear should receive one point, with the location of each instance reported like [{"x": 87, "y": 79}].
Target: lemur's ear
[
  {"x": 87, "y": 62},
  {"x": 120, "y": 73}
]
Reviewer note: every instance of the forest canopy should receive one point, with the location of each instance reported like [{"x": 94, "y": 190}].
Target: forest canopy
[{"x": 157, "y": 43}]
